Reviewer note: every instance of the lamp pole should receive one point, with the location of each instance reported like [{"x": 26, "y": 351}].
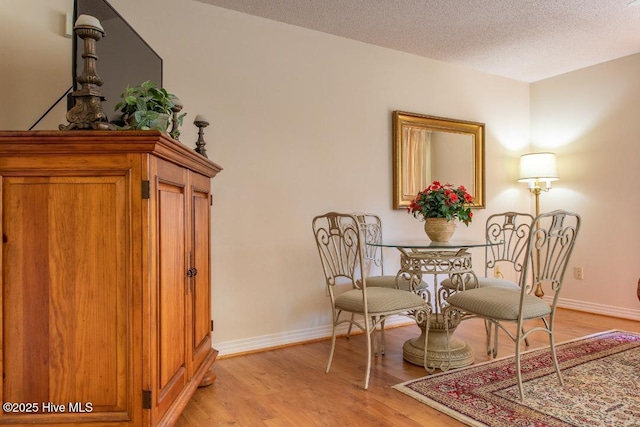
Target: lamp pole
[
  {"x": 534, "y": 168},
  {"x": 536, "y": 190}
]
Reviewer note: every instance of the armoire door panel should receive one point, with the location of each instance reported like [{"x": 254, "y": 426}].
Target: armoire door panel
[
  {"x": 201, "y": 296},
  {"x": 66, "y": 323},
  {"x": 171, "y": 292}
]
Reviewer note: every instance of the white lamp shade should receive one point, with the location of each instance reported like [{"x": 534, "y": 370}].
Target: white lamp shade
[{"x": 538, "y": 167}]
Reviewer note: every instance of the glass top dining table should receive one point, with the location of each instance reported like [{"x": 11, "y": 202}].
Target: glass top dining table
[
  {"x": 420, "y": 257},
  {"x": 427, "y": 244}
]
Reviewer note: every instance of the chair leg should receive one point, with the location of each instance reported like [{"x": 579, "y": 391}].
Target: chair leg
[
  {"x": 426, "y": 340},
  {"x": 374, "y": 332},
  {"x": 382, "y": 343},
  {"x": 526, "y": 340},
  {"x": 555, "y": 358},
  {"x": 446, "y": 317},
  {"x": 353, "y": 316},
  {"x": 518, "y": 374},
  {"x": 367, "y": 322},
  {"x": 494, "y": 351},
  {"x": 487, "y": 327},
  {"x": 333, "y": 346}
]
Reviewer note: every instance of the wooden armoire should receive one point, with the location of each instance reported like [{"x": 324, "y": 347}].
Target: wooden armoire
[{"x": 106, "y": 290}]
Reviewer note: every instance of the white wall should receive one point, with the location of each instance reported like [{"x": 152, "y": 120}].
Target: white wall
[
  {"x": 590, "y": 119},
  {"x": 35, "y": 62},
  {"x": 301, "y": 123}
]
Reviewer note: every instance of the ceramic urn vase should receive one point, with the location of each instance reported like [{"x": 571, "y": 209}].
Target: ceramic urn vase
[{"x": 439, "y": 229}]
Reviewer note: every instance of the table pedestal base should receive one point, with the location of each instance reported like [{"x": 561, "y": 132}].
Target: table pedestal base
[{"x": 437, "y": 354}]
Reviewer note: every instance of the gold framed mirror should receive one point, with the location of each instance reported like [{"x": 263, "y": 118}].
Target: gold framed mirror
[{"x": 428, "y": 148}]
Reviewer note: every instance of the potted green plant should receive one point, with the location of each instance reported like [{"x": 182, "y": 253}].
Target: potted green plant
[
  {"x": 147, "y": 107},
  {"x": 439, "y": 205}
]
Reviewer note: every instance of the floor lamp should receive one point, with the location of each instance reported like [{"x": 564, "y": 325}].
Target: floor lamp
[{"x": 536, "y": 169}]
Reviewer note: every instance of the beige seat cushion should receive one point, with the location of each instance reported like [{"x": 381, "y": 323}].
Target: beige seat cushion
[
  {"x": 484, "y": 282},
  {"x": 499, "y": 303},
  {"x": 380, "y": 300},
  {"x": 390, "y": 282}
]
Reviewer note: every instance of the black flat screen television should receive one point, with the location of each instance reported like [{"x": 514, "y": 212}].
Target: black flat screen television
[{"x": 124, "y": 58}]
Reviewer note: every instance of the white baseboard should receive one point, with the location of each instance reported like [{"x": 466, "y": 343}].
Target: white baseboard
[
  {"x": 265, "y": 342},
  {"x": 607, "y": 310}
]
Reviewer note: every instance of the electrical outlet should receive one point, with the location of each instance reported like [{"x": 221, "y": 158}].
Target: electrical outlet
[
  {"x": 497, "y": 272},
  {"x": 578, "y": 273}
]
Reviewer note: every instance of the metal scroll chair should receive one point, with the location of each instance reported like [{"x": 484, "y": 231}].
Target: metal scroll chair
[
  {"x": 549, "y": 248},
  {"x": 371, "y": 229},
  {"x": 508, "y": 234},
  {"x": 341, "y": 248}
]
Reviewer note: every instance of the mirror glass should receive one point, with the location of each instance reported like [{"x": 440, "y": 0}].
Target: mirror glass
[{"x": 428, "y": 148}]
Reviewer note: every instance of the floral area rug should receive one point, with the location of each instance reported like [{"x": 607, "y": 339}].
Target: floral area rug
[{"x": 601, "y": 375}]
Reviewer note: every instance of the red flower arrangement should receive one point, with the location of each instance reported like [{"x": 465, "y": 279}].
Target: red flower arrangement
[{"x": 442, "y": 201}]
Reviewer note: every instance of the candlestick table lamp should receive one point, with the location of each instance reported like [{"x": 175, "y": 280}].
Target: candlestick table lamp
[
  {"x": 176, "y": 119},
  {"x": 201, "y": 122},
  {"x": 87, "y": 112}
]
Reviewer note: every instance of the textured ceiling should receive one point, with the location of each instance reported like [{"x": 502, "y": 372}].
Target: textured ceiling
[{"x": 526, "y": 40}]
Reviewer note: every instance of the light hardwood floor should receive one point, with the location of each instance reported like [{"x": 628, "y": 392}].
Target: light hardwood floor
[{"x": 288, "y": 386}]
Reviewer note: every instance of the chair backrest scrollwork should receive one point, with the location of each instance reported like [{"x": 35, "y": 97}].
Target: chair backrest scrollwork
[
  {"x": 508, "y": 234},
  {"x": 340, "y": 247},
  {"x": 552, "y": 240},
  {"x": 371, "y": 229}
]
